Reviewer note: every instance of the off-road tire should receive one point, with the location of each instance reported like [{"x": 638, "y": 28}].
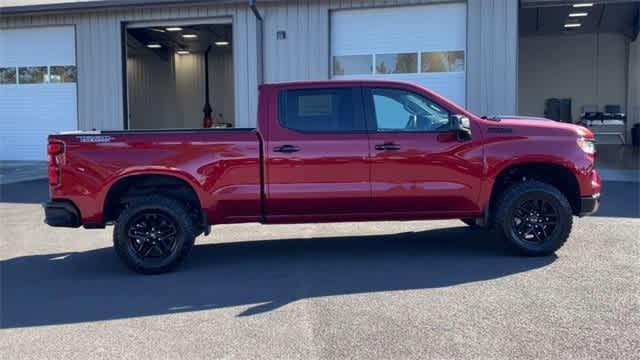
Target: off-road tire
[
  {"x": 172, "y": 211},
  {"x": 509, "y": 206}
]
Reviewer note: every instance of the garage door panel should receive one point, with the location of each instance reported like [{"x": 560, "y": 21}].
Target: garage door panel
[
  {"x": 449, "y": 85},
  {"x": 29, "y": 47},
  {"x": 399, "y": 29},
  {"x": 32, "y": 113},
  {"x": 41, "y": 97},
  {"x": 446, "y": 84},
  {"x": 430, "y": 39}
]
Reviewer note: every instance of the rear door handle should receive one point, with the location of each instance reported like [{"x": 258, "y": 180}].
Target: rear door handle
[
  {"x": 286, "y": 149},
  {"x": 382, "y": 147}
]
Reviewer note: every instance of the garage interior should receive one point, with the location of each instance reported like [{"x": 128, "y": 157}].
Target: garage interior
[
  {"x": 580, "y": 63},
  {"x": 167, "y": 75}
]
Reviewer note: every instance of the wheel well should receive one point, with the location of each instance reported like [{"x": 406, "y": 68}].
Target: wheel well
[
  {"x": 136, "y": 186},
  {"x": 555, "y": 175}
]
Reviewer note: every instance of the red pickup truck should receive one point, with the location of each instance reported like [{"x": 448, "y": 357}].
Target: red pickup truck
[{"x": 326, "y": 151}]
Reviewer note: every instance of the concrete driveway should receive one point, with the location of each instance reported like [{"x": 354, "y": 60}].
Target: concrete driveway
[{"x": 368, "y": 290}]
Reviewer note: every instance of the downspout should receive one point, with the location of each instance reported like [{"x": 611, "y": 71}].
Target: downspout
[
  {"x": 260, "y": 39},
  {"x": 254, "y": 8}
]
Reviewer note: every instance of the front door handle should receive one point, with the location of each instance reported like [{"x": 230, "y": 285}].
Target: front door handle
[
  {"x": 387, "y": 147},
  {"x": 286, "y": 149}
]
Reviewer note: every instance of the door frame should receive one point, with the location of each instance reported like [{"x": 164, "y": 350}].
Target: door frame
[{"x": 136, "y": 24}]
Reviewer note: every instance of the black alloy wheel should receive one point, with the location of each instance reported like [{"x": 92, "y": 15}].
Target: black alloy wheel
[
  {"x": 535, "y": 220},
  {"x": 533, "y": 217},
  {"x": 154, "y": 234}
]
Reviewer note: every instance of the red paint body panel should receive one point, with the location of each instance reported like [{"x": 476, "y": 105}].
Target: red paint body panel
[
  {"x": 328, "y": 176},
  {"x": 334, "y": 177},
  {"x": 222, "y": 168}
]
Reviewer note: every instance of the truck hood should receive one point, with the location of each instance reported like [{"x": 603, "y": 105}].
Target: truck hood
[{"x": 538, "y": 126}]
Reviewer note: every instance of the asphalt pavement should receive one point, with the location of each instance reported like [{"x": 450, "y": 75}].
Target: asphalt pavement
[{"x": 322, "y": 291}]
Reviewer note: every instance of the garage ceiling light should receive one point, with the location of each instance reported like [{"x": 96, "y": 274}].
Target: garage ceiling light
[
  {"x": 578, "y": 14},
  {"x": 183, "y": 52},
  {"x": 154, "y": 46},
  {"x": 582, "y": 5},
  {"x": 189, "y": 36},
  {"x": 174, "y": 28},
  {"x": 572, "y": 25},
  {"x": 221, "y": 43}
]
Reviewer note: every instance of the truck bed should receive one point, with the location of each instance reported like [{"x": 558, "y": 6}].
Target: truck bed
[{"x": 223, "y": 165}]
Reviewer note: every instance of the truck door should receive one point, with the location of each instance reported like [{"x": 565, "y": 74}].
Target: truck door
[
  {"x": 419, "y": 167},
  {"x": 317, "y": 154}
]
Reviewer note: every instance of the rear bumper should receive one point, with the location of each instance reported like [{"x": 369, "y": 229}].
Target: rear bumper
[
  {"x": 61, "y": 214},
  {"x": 589, "y": 204}
]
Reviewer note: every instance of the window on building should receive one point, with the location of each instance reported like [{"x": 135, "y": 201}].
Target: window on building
[
  {"x": 442, "y": 61},
  {"x": 318, "y": 110},
  {"x": 400, "y": 110},
  {"x": 62, "y": 74},
  {"x": 405, "y": 63},
  {"x": 32, "y": 74},
  {"x": 8, "y": 75},
  {"x": 353, "y": 65}
]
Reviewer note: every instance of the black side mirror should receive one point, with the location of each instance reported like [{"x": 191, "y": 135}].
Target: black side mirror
[{"x": 461, "y": 125}]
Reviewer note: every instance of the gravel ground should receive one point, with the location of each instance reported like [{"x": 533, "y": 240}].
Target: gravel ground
[{"x": 368, "y": 290}]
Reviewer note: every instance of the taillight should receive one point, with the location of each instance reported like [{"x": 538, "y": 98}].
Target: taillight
[
  {"x": 54, "y": 149},
  {"x": 54, "y": 174}
]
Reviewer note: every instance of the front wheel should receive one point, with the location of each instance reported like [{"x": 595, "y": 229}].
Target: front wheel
[
  {"x": 153, "y": 234},
  {"x": 534, "y": 218}
]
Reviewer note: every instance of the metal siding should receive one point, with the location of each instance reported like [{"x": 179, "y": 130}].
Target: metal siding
[
  {"x": 98, "y": 52},
  {"x": 491, "y": 46},
  {"x": 150, "y": 105},
  {"x": 251, "y": 84},
  {"x": 99, "y": 72},
  {"x": 304, "y": 54},
  {"x": 492, "y": 50},
  {"x": 241, "y": 77}
]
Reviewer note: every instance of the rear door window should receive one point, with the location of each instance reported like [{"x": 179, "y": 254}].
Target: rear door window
[{"x": 332, "y": 110}]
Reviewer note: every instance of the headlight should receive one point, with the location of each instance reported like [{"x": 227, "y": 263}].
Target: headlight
[{"x": 587, "y": 145}]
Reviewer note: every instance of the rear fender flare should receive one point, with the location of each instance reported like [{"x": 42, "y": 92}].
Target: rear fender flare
[{"x": 179, "y": 174}]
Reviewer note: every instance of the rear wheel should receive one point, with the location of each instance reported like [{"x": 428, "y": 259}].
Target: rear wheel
[
  {"x": 534, "y": 218},
  {"x": 153, "y": 234}
]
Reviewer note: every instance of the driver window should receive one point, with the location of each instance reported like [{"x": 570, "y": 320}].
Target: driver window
[{"x": 400, "y": 110}]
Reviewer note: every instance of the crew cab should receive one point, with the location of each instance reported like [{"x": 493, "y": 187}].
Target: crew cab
[{"x": 326, "y": 151}]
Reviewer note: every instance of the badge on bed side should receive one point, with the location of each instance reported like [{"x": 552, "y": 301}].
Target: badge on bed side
[{"x": 94, "y": 138}]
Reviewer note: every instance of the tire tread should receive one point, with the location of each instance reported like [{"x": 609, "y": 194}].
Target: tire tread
[
  {"x": 169, "y": 205},
  {"x": 508, "y": 198}
]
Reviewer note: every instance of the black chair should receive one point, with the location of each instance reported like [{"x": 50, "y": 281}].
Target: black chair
[
  {"x": 614, "y": 112},
  {"x": 558, "y": 109}
]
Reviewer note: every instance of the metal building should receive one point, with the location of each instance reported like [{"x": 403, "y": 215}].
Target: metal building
[{"x": 113, "y": 64}]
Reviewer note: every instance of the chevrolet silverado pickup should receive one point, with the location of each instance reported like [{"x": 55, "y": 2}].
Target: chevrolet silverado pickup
[{"x": 326, "y": 151}]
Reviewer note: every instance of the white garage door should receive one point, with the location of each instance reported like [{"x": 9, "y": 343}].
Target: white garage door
[
  {"x": 423, "y": 44},
  {"x": 37, "y": 89}
]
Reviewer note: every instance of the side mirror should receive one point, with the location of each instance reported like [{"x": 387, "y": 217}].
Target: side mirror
[{"x": 461, "y": 125}]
